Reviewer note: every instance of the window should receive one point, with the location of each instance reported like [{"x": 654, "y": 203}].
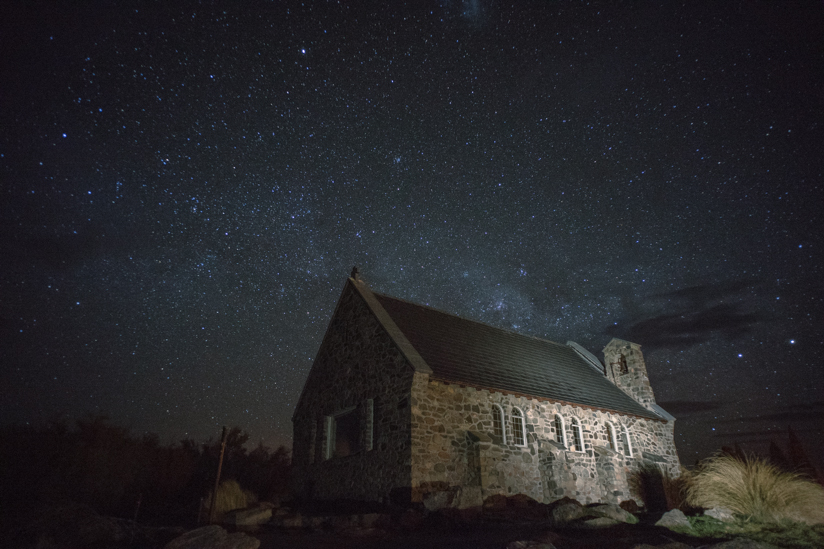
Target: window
[
  {"x": 560, "y": 430},
  {"x": 369, "y": 428},
  {"x": 518, "y": 427},
  {"x": 343, "y": 434},
  {"x": 498, "y": 422},
  {"x": 313, "y": 437},
  {"x": 620, "y": 365},
  {"x": 613, "y": 441},
  {"x": 577, "y": 437},
  {"x": 626, "y": 442}
]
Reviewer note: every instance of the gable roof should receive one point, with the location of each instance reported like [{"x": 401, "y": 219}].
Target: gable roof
[{"x": 471, "y": 353}]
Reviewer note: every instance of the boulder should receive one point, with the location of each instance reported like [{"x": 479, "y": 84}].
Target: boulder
[
  {"x": 742, "y": 543},
  {"x": 630, "y": 505},
  {"x": 468, "y": 497},
  {"x": 610, "y": 510},
  {"x": 410, "y": 520},
  {"x": 594, "y": 523},
  {"x": 529, "y": 544},
  {"x": 720, "y": 513},
  {"x": 495, "y": 501},
  {"x": 248, "y": 517},
  {"x": 670, "y": 545},
  {"x": 564, "y": 511},
  {"x": 434, "y": 501},
  {"x": 292, "y": 520},
  {"x": 213, "y": 537},
  {"x": 521, "y": 501},
  {"x": 674, "y": 519}
]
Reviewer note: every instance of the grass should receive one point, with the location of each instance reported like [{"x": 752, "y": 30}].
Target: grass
[
  {"x": 756, "y": 490},
  {"x": 784, "y": 533},
  {"x": 231, "y": 496}
]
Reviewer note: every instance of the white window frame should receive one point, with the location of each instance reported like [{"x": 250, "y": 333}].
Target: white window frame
[
  {"x": 612, "y": 437},
  {"x": 498, "y": 413},
  {"x": 369, "y": 425},
  {"x": 329, "y": 432},
  {"x": 520, "y": 418},
  {"x": 575, "y": 424},
  {"x": 561, "y": 436},
  {"x": 628, "y": 440}
]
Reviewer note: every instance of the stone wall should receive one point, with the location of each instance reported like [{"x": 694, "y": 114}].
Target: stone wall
[
  {"x": 627, "y": 369},
  {"x": 358, "y": 366},
  {"x": 453, "y": 446}
]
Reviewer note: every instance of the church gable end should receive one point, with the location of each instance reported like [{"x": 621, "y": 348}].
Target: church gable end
[{"x": 351, "y": 424}]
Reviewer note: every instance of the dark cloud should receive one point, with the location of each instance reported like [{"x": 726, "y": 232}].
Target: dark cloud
[
  {"x": 690, "y": 316},
  {"x": 797, "y": 413},
  {"x": 763, "y": 435},
  {"x": 687, "y": 407}
]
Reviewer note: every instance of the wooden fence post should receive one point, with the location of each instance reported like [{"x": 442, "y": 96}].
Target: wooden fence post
[{"x": 217, "y": 478}]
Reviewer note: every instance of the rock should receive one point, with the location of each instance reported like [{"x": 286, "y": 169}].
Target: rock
[
  {"x": 496, "y": 501},
  {"x": 375, "y": 520},
  {"x": 630, "y": 506},
  {"x": 529, "y": 545},
  {"x": 293, "y": 520},
  {"x": 670, "y": 545},
  {"x": 521, "y": 501},
  {"x": 213, "y": 537},
  {"x": 594, "y": 523},
  {"x": 610, "y": 510},
  {"x": 410, "y": 520},
  {"x": 742, "y": 543},
  {"x": 468, "y": 497},
  {"x": 674, "y": 519},
  {"x": 434, "y": 501},
  {"x": 720, "y": 513},
  {"x": 564, "y": 511},
  {"x": 248, "y": 517}
]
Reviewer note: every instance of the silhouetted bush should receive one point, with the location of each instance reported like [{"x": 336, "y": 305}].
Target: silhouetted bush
[
  {"x": 658, "y": 490},
  {"x": 101, "y": 465}
]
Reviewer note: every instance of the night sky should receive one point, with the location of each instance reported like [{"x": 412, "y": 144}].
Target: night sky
[{"x": 186, "y": 187}]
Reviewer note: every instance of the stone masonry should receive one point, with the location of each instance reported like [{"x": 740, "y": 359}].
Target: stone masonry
[{"x": 416, "y": 436}]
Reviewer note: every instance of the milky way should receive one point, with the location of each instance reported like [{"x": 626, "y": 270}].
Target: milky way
[{"x": 186, "y": 188}]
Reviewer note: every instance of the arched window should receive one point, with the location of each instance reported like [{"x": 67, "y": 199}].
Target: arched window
[
  {"x": 626, "y": 441},
  {"x": 498, "y": 422},
  {"x": 613, "y": 440},
  {"x": 518, "y": 427},
  {"x": 577, "y": 436},
  {"x": 560, "y": 430}
]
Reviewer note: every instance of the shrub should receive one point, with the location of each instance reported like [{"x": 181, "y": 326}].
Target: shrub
[
  {"x": 230, "y": 496},
  {"x": 658, "y": 490},
  {"x": 755, "y": 489}
]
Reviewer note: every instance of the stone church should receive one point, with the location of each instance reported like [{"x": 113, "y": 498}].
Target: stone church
[{"x": 408, "y": 403}]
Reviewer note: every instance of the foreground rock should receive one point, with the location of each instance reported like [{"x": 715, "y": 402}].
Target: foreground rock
[
  {"x": 674, "y": 519},
  {"x": 248, "y": 517},
  {"x": 720, "y": 513},
  {"x": 213, "y": 537},
  {"x": 565, "y": 511},
  {"x": 79, "y": 526},
  {"x": 612, "y": 511}
]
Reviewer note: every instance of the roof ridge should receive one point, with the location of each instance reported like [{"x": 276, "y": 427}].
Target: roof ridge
[{"x": 440, "y": 311}]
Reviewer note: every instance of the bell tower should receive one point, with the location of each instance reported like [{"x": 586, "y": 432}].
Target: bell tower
[{"x": 625, "y": 367}]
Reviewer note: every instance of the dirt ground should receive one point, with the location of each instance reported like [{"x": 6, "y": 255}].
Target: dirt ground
[{"x": 481, "y": 537}]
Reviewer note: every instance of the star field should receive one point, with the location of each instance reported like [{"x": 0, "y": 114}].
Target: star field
[{"x": 186, "y": 187}]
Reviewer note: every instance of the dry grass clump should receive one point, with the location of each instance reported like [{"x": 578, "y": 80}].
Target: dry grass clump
[
  {"x": 231, "y": 496},
  {"x": 755, "y": 489}
]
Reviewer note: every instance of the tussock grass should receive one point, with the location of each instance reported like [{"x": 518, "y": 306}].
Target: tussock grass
[
  {"x": 755, "y": 489},
  {"x": 785, "y": 533},
  {"x": 230, "y": 496}
]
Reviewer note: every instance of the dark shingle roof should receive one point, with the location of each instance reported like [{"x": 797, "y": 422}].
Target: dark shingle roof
[{"x": 471, "y": 353}]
